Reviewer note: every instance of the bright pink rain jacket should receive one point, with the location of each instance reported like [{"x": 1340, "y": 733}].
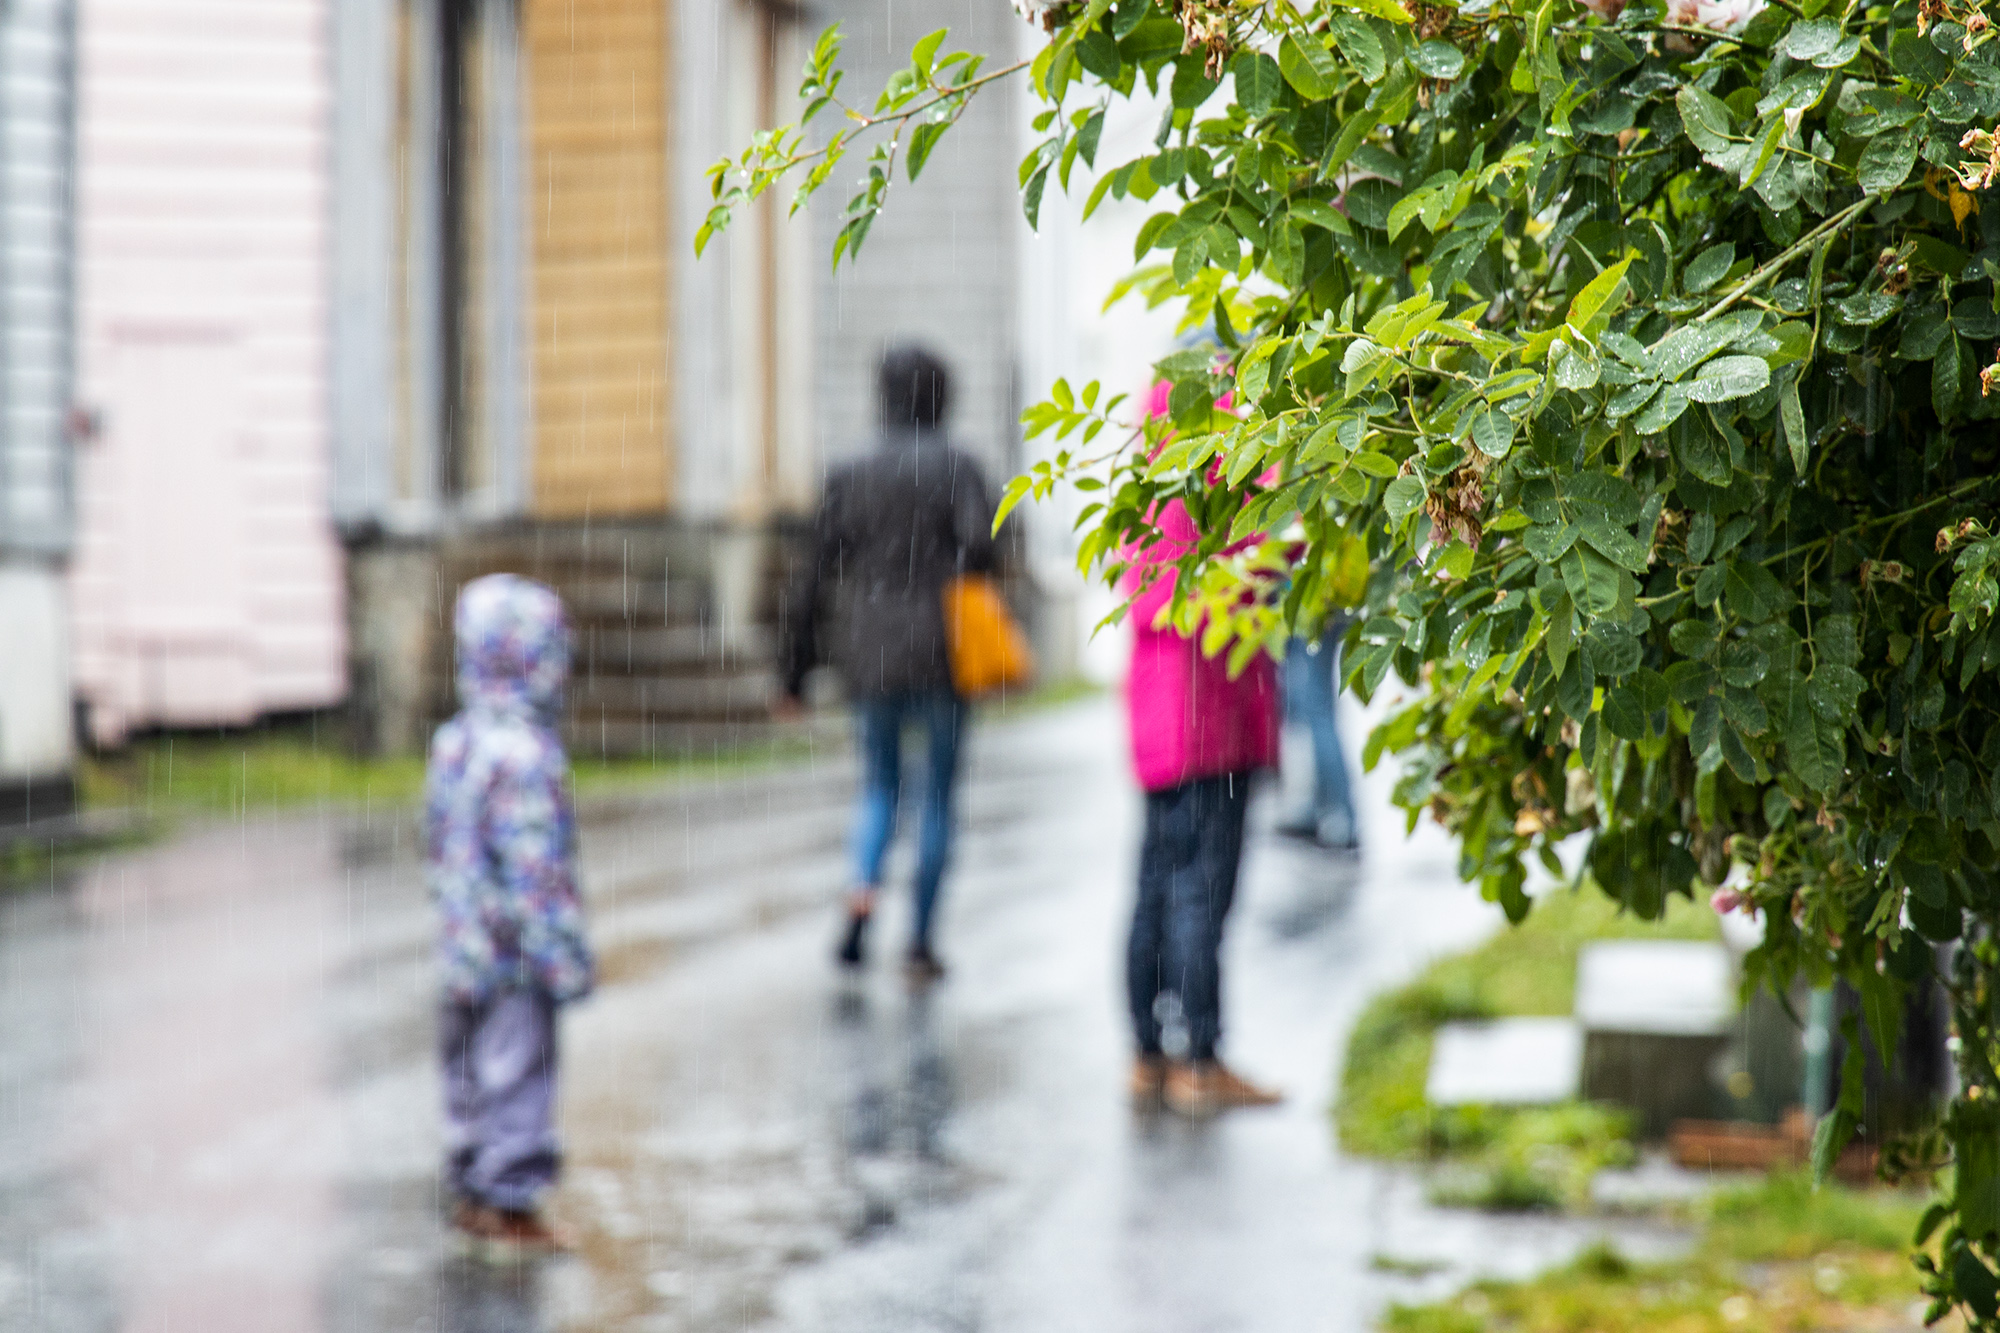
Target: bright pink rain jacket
[{"x": 1189, "y": 719}]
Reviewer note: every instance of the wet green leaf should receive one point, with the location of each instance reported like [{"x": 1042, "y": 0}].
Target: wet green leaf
[
  {"x": 1308, "y": 66},
  {"x": 1493, "y": 432},
  {"x": 1359, "y": 44},
  {"x": 1404, "y": 497},
  {"x": 1729, "y": 377},
  {"x": 1615, "y": 544},
  {"x": 1547, "y": 542},
  {"x": 1886, "y": 162},
  {"x": 1438, "y": 60},
  {"x": 1258, "y": 81},
  {"x": 1794, "y": 419},
  {"x": 1704, "y": 119},
  {"x": 1707, "y": 268}
]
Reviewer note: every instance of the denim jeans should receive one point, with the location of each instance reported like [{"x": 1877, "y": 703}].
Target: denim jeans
[
  {"x": 1312, "y": 674},
  {"x": 882, "y": 720},
  {"x": 1187, "y": 880},
  {"x": 499, "y": 1061}
]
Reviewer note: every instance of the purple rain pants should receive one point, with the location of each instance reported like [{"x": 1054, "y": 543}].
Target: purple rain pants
[{"x": 499, "y": 1097}]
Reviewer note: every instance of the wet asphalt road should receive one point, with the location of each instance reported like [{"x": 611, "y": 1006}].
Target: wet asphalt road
[{"x": 217, "y": 1093}]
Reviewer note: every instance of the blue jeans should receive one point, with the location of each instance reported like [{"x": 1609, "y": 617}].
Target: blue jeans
[
  {"x": 941, "y": 714},
  {"x": 1312, "y": 675},
  {"x": 1187, "y": 881}
]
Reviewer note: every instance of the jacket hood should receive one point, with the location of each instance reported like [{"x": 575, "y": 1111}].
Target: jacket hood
[{"x": 513, "y": 646}]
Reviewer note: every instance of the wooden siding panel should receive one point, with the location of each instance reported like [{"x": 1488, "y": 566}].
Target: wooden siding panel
[
  {"x": 34, "y": 275},
  {"x": 207, "y": 585},
  {"x": 597, "y": 139}
]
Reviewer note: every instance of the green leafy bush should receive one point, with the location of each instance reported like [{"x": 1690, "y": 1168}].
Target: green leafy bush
[{"x": 1622, "y": 365}]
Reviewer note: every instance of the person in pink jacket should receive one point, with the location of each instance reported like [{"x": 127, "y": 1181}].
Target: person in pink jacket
[{"x": 1197, "y": 737}]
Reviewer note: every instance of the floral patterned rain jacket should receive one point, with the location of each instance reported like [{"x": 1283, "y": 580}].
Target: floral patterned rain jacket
[{"x": 500, "y": 833}]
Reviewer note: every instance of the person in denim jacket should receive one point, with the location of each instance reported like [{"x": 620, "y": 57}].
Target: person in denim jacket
[{"x": 501, "y": 862}]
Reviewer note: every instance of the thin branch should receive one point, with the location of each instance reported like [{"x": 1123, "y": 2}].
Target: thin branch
[
  {"x": 898, "y": 118},
  {"x": 1825, "y": 230},
  {"x": 951, "y": 90},
  {"x": 1898, "y": 518},
  {"x": 1686, "y": 31}
]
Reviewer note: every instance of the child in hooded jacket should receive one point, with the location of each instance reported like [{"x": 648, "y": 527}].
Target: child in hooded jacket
[{"x": 501, "y": 863}]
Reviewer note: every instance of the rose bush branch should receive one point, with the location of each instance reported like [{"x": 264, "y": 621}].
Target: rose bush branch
[
  {"x": 926, "y": 98},
  {"x": 1624, "y": 370}
]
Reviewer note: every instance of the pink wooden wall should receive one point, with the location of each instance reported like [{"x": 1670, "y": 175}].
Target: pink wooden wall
[{"x": 207, "y": 583}]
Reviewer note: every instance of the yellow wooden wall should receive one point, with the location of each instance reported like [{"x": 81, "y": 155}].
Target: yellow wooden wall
[{"x": 597, "y": 212}]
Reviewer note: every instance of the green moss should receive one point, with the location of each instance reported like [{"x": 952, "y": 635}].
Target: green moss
[{"x": 1776, "y": 1255}]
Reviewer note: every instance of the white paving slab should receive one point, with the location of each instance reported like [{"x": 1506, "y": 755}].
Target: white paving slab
[
  {"x": 1507, "y": 1062},
  {"x": 1673, "y": 988}
]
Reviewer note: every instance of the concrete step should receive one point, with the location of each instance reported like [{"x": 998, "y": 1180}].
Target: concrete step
[
  {"x": 718, "y": 695},
  {"x": 669, "y": 738},
  {"x": 628, "y": 649},
  {"x": 613, "y": 599},
  {"x": 608, "y": 589},
  {"x": 555, "y": 546}
]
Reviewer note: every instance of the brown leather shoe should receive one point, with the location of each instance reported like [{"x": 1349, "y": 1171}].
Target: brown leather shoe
[
  {"x": 1235, "y": 1090},
  {"x": 527, "y": 1233},
  {"x": 1149, "y": 1080},
  {"x": 1200, "y": 1089}
]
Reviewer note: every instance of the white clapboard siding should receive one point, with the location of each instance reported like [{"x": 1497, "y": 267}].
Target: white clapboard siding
[
  {"x": 35, "y": 292},
  {"x": 206, "y": 587}
]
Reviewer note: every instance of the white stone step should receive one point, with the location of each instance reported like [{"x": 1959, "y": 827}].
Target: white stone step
[
  {"x": 1668, "y": 988},
  {"x": 1506, "y": 1062}
]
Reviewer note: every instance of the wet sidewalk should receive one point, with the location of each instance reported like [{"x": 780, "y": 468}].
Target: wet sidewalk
[{"x": 217, "y": 1095}]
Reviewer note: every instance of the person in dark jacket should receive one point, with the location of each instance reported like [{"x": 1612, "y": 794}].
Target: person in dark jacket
[{"x": 893, "y": 529}]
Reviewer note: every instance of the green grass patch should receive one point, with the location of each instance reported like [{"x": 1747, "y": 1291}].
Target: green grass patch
[
  {"x": 1784, "y": 1217},
  {"x": 166, "y": 778},
  {"x": 1777, "y": 1255},
  {"x": 1041, "y": 698},
  {"x": 285, "y": 766},
  {"x": 295, "y": 763},
  {"x": 1513, "y": 1158},
  {"x": 243, "y": 772}
]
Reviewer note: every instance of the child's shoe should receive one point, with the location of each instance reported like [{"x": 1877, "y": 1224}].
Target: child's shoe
[
  {"x": 474, "y": 1219},
  {"x": 473, "y": 1226},
  {"x": 530, "y": 1230}
]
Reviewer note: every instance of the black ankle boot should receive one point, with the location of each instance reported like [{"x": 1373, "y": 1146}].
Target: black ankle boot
[{"x": 853, "y": 951}]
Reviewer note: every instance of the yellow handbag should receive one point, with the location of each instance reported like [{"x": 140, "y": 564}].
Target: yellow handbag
[{"x": 988, "y": 650}]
